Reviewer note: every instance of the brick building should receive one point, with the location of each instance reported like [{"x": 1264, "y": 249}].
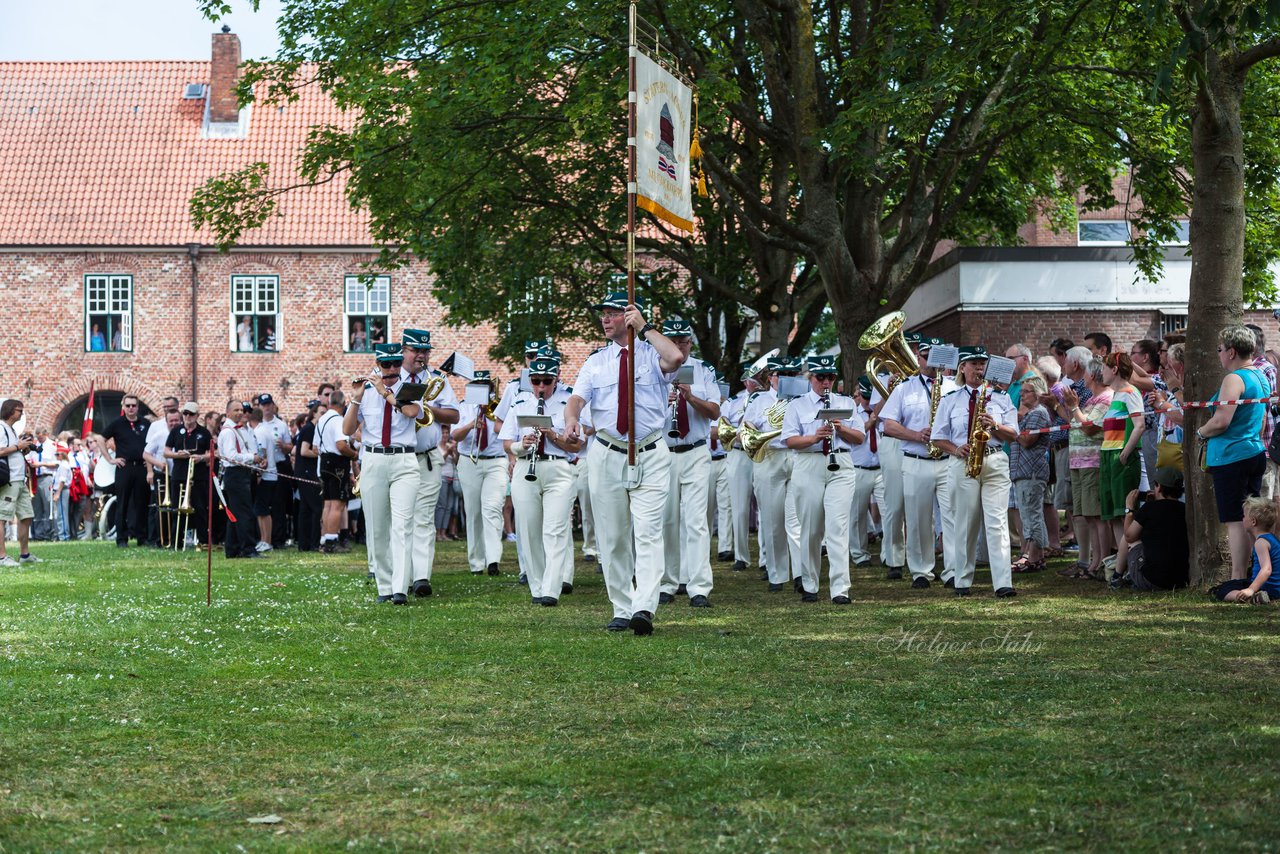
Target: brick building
[{"x": 110, "y": 282}]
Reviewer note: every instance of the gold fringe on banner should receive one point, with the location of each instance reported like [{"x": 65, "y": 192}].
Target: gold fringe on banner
[{"x": 695, "y": 151}]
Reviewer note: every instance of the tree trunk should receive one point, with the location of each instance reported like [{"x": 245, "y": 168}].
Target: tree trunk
[{"x": 1217, "y": 286}]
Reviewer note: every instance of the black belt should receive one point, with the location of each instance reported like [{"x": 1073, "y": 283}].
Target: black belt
[
  {"x": 719, "y": 458},
  {"x": 868, "y": 468},
  {"x": 394, "y": 449},
  {"x": 639, "y": 448},
  {"x": 680, "y": 449},
  {"x": 427, "y": 451},
  {"x": 135, "y": 462},
  {"x": 922, "y": 457}
]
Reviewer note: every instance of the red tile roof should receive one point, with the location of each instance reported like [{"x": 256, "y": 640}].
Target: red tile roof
[{"x": 109, "y": 154}]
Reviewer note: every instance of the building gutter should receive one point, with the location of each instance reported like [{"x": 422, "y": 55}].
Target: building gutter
[{"x": 193, "y": 252}]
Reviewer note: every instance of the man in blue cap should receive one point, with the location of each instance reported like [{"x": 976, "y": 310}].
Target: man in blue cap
[
  {"x": 628, "y": 503},
  {"x": 686, "y": 536},
  {"x": 982, "y": 501},
  {"x": 388, "y": 473},
  {"x": 416, "y": 346}
]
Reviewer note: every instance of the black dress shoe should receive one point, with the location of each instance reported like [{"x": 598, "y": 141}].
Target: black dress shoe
[
  {"x": 493, "y": 569},
  {"x": 565, "y": 588},
  {"x": 369, "y": 575},
  {"x": 739, "y": 565},
  {"x": 839, "y": 600},
  {"x": 962, "y": 591},
  {"x": 477, "y": 572},
  {"x": 797, "y": 585},
  {"x": 920, "y": 583},
  {"x": 682, "y": 590},
  {"x": 549, "y": 602},
  {"x": 618, "y": 624},
  {"x": 724, "y": 556},
  {"x": 862, "y": 564},
  {"x": 382, "y": 599},
  {"x": 642, "y": 623},
  {"x": 776, "y": 588},
  {"x": 894, "y": 573},
  {"x": 1006, "y": 593},
  {"x": 524, "y": 579},
  {"x": 950, "y": 584},
  {"x": 808, "y": 597},
  {"x": 589, "y": 558},
  {"x": 399, "y": 599},
  {"x": 665, "y": 598},
  {"x": 699, "y": 602},
  {"x": 422, "y": 588}
]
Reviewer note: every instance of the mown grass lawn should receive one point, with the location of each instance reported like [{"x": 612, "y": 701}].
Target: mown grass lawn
[{"x": 134, "y": 717}]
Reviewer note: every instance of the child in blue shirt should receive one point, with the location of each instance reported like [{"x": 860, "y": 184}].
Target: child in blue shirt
[{"x": 1264, "y": 582}]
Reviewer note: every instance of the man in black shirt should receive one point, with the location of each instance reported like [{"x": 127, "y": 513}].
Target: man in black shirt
[
  {"x": 1159, "y": 555},
  {"x": 188, "y": 445},
  {"x": 126, "y": 439}
]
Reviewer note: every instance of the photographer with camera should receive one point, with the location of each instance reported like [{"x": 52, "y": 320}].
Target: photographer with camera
[{"x": 15, "y": 497}]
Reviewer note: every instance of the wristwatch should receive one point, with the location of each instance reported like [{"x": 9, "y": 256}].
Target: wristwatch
[{"x": 646, "y": 329}]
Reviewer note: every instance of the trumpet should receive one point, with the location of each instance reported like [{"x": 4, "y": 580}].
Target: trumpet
[{"x": 532, "y": 473}]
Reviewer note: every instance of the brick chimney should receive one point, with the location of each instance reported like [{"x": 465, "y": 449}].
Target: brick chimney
[{"x": 224, "y": 73}]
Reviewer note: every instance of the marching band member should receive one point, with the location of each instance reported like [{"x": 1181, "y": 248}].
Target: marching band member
[
  {"x": 980, "y": 500},
  {"x": 686, "y": 536},
  {"x": 628, "y": 521},
  {"x": 542, "y": 483},
  {"x": 769, "y": 479},
  {"x": 416, "y": 346},
  {"x": 893, "y": 545},
  {"x": 868, "y": 488},
  {"x": 532, "y": 350},
  {"x": 389, "y": 471},
  {"x": 719, "y": 502},
  {"x": 791, "y": 519},
  {"x": 739, "y": 469},
  {"x": 482, "y": 472},
  {"x": 908, "y": 416},
  {"x": 822, "y": 478}
]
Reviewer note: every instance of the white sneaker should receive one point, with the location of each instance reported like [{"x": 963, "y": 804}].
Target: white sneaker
[
  {"x": 30, "y": 559},
  {"x": 262, "y": 548},
  {"x": 511, "y": 538},
  {"x": 8, "y": 561}
]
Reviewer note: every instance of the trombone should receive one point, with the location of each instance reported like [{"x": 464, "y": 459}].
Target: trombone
[{"x": 185, "y": 510}]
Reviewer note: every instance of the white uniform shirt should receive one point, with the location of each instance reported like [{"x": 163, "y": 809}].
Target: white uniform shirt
[
  {"x": 154, "y": 445},
  {"x": 597, "y": 384},
  {"x": 909, "y": 404},
  {"x": 862, "y": 455},
  {"x": 372, "y": 407},
  {"x": 237, "y": 445},
  {"x": 802, "y": 420},
  {"x": 704, "y": 388},
  {"x": 469, "y": 444},
  {"x": 952, "y": 422},
  {"x": 429, "y": 437},
  {"x": 757, "y": 407},
  {"x": 329, "y": 432},
  {"x": 508, "y": 397},
  {"x": 526, "y": 403},
  {"x": 17, "y": 462},
  {"x": 267, "y": 433}
]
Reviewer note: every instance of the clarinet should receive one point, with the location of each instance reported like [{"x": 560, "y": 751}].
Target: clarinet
[
  {"x": 673, "y": 430},
  {"x": 827, "y": 444},
  {"x": 532, "y": 473}
]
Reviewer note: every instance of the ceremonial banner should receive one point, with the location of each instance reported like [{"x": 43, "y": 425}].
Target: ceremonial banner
[{"x": 663, "y": 125}]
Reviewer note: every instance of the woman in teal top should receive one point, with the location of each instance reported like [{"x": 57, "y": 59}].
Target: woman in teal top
[{"x": 1234, "y": 451}]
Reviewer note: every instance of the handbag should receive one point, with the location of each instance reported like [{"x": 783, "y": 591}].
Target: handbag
[
  {"x": 5, "y": 475},
  {"x": 1169, "y": 454}
]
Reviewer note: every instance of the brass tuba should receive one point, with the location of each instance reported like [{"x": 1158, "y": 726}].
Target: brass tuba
[
  {"x": 435, "y": 385},
  {"x": 886, "y": 343}
]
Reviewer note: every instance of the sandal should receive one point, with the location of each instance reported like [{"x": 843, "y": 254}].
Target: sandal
[
  {"x": 1023, "y": 564},
  {"x": 1055, "y": 553}
]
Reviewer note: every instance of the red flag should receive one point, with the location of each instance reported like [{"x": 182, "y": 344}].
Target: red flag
[{"x": 87, "y": 428}]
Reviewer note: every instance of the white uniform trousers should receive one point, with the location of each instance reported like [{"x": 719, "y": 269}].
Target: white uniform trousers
[
  {"x": 388, "y": 491},
  {"x": 981, "y": 504},
  {"x": 686, "y": 538},
  {"x": 792, "y": 521},
  {"x": 583, "y": 491},
  {"x": 740, "y": 503},
  {"x": 422, "y": 556},
  {"x": 867, "y": 486},
  {"x": 629, "y": 525},
  {"x": 721, "y": 503},
  {"x": 893, "y": 547},
  {"x": 544, "y": 523},
  {"x": 484, "y": 490},
  {"x": 822, "y": 502},
  {"x": 769, "y": 480},
  {"x": 923, "y": 481}
]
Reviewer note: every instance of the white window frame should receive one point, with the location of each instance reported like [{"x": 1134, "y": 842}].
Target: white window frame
[
  {"x": 1080, "y": 241},
  {"x": 361, "y": 297},
  {"x": 256, "y": 297},
  {"x": 109, "y": 297},
  {"x": 1182, "y": 239}
]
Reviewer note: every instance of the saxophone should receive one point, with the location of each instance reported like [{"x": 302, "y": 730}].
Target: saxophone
[
  {"x": 935, "y": 397},
  {"x": 978, "y": 437}
]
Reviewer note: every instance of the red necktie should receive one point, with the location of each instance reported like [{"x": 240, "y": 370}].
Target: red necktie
[
  {"x": 872, "y": 434},
  {"x": 386, "y": 424},
  {"x": 484, "y": 429},
  {"x": 715, "y": 440},
  {"x": 682, "y": 415},
  {"x": 973, "y": 402},
  {"x": 624, "y": 394}
]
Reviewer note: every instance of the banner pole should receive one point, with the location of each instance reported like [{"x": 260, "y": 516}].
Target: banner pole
[
  {"x": 208, "y": 536},
  {"x": 631, "y": 233}
]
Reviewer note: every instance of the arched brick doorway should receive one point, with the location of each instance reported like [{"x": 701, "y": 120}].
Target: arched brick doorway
[{"x": 106, "y": 408}]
